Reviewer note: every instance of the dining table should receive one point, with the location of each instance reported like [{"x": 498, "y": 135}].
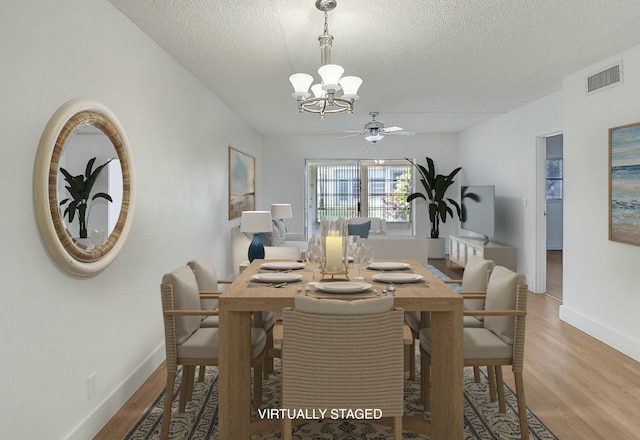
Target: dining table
[{"x": 441, "y": 309}]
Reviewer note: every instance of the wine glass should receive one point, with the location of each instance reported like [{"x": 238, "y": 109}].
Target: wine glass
[
  {"x": 352, "y": 242},
  {"x": 367, "y": 259},
  {"x": 313, "y": 257},
  {"x": 358, "y": 257}
]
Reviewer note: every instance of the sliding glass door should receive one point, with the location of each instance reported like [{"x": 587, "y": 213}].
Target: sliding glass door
[{"x": 359, "y": 188}]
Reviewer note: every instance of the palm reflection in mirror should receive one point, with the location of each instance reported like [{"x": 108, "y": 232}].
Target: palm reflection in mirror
[{"x": 89, "y": 186}]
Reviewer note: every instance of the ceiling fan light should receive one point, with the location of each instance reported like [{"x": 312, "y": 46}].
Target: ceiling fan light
[
  {"x": 350, "y": 86},
  {"x": 374, "y": 138},
  {"x": 301, "y": 83},
  {"x": 330, "y": 74}
]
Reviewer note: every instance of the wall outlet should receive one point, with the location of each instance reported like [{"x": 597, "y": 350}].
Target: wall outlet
[{"x": 92, "y": 385}]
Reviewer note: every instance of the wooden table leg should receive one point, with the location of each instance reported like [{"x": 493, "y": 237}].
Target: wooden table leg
[
  {"x": 447, "y": 375},
  {"x": 234, "y": 400}
]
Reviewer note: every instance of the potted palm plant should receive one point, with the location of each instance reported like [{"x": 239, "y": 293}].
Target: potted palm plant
[
  {"x": 435, "y": 187},
  {"x": 79, "y": 188}
]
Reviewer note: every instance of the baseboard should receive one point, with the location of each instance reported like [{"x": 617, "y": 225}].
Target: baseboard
[
  {"x": 613, "y": 338},
  {"x": 90, "y": 426}
]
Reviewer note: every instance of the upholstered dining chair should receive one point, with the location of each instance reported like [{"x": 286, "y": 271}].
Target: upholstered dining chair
[
  {"x": 343, "y": 354},
  {"x": 474, "y": 280},
  {"x": 208, "y": 283},
  {"x": 188, "y": 344},
  {"x": 500, "y": 340}
]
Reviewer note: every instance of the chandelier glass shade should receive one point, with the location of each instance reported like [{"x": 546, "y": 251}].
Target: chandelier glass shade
[{"x": 324, "y": 99}]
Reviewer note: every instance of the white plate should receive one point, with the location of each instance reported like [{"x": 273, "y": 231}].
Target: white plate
[
  {"x": 388, "y": 265},
  {"x": 282, "y": 265},
  {"x": 343, "y": 287},
  {"x": 397, "y": 277},
  {"x": 276, "y": 277}
]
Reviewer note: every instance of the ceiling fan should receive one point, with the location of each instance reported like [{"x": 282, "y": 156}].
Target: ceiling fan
[{"x": 374, "y": 131}]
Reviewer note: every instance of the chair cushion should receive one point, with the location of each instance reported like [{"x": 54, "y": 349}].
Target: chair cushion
[
  {"x": 210, "y": 321},
  {"x": 412, "y": 319},
  {"x": 185, "y": 297},
  {"x": 501, "y": 295},
  {"x": 474, "y": 279},
  {"x": 207, "y": 279},
  {"x": 368, "y": 306},
  {"x": 479, "y": 343},
  {"x": 361, "y": 229},
  {"x": 268, "y": 319},
  {"x": 203, "y": 344}
]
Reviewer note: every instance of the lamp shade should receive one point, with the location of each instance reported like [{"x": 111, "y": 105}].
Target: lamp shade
[
  {"x": 350, "y": 86},
  {"x": 256, "y": 221},
  {"x": 281, "y": 210},
  {"x": 330, "y": 74},
  {"x": 317, "y": 91},
  {"x": 301, "y": 83}
]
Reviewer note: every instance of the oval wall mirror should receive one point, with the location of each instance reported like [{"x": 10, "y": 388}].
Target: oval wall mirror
[{"x": 84, "y": 186}]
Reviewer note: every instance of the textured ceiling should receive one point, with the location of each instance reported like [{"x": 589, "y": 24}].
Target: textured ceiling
[{"x": 429, "y": 66}]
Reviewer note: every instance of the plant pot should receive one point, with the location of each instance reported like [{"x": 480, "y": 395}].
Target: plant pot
[{"x": 435, "y": 248}]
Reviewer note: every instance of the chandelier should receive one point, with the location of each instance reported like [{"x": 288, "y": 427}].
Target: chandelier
[{"x": 325, "y": 99}]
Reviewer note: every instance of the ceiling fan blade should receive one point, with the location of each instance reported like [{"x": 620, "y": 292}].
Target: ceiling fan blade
[
  {"x": 391, "y": 129},
  {"x": 402, "y": 133},
  {"x": 359, "y": 133}
]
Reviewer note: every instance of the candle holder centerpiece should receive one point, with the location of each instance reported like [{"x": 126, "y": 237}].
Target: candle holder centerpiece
[{"x": 334, "y": 248}]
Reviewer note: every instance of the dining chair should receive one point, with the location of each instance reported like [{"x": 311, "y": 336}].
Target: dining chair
[
  {"x": 474, "y": 280},
  {"x": 500, "y": 340},
  {"x": 188, "y": 344},
  {"x": 343, "y": 354},
  {"x": 208, "y": 282}
]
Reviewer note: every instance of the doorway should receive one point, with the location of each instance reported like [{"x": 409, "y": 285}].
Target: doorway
[{"x": 550, "y": 203}]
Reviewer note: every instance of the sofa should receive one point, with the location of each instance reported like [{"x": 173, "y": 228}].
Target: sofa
[{"x": 290, "y": 249}]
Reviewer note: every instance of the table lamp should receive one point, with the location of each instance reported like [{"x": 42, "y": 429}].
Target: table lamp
[
  {"x": 256, "y": 222},
  {"x": 280, "y": 211}
]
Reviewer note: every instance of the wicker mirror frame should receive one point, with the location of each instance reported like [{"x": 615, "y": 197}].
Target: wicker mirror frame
[{"x": 70, "y": 254}]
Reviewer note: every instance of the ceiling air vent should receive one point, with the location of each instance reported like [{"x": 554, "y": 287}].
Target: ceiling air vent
[{"x": 607, "y": 78}]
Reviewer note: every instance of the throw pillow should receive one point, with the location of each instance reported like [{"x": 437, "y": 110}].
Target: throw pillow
[
  {"x": 361, "y": 229},
  {"x": 279, "y": 233},
  {"x": 265, "y": 238}
]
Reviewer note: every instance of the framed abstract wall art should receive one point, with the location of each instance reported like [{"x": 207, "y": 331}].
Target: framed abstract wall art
[
  {"x": 624, "y": 184},
  {"x": 242, "y": 183}
]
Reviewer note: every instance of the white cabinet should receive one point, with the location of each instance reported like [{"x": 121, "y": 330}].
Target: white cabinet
[{"x": 461, "y": 248}]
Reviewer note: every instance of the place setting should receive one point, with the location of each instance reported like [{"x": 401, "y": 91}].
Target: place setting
[
  {"x": 281, "y": 266},
  {"x": 273, "y": 279}
]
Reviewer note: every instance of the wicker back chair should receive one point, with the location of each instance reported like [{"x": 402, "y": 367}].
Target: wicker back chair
[
  {"x": 189, "y": 345},
  {"x": 499, "y": 342},
  {"x": 351, "y": 360}
]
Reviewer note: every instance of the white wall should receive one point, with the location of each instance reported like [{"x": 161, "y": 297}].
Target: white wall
[
  {"x": 502, "y": 152},
  {"x": 284, "y": 162},
  {"x": 601, "y": 277},
  {"x": 58, "y": 329}
]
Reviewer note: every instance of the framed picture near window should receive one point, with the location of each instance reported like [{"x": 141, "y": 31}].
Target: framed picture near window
[
  {"x": 624, "y": 184},
  {"x": 242, "y": 183}
]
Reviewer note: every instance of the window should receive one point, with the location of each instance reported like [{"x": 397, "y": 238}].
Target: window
[
  {"x": 554, "y": 179},
  {"x": 358, "y": 188}
]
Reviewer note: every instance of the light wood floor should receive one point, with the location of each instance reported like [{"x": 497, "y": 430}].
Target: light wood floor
[{"x": 579, "y": 387}]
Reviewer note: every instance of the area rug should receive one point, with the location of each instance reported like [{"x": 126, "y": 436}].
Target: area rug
[{"x": 482, "y": 420}]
